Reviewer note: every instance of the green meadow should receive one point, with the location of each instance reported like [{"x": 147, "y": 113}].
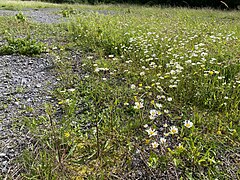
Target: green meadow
[{"x": 143, "y": 92}]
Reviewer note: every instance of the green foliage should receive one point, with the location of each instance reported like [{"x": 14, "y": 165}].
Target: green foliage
[
  {"x": 20, "y": 17},
  {"x": 68, "y": 1},
  {"x": 23, "y": 46},
  {"x": 51, "y": 148},
  {"x": 188, "y": 3},
  {"x": 68, "y": 12}
]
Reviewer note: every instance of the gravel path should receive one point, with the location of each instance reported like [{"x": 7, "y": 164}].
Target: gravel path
[
  {"x": 24, "y": 83},
  {"x": 47, "y": 15},
  {"x": 44, "y": 15}
]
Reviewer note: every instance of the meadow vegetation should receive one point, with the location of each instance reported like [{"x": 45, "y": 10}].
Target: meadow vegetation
[
  {"x": 143, "y": 92},
  {"x": 188, "y": 3}
]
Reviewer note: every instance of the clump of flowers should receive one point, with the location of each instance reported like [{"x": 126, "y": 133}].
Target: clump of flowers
[
  {"x": 154, "y": 113},
  {"x": 159, "y": 138}
]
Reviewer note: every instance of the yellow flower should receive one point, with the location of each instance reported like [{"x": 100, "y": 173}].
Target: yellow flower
[
  {"x": 211, "y": 72},
  {"x": 147, "y": 141},
  {"x": 135, "y": 97},
  {"x": 180, "y": 146},
  {"x": 66, "y": 134}
]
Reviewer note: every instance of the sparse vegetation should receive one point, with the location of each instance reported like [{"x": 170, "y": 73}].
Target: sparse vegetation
[{"x": 143, "y": 92}]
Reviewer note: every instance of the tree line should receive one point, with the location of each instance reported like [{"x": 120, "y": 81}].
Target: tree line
[{"x": 182, "y": 3}]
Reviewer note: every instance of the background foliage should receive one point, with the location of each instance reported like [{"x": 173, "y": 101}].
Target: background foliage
[{"x": 191, "y": 3}]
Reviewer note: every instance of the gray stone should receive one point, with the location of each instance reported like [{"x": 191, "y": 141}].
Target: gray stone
[{"x": 2, "y": 155}]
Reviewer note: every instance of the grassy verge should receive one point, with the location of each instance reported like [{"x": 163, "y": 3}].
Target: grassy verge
[
  {"x": 19, "y": 5},
  {"x": 144, "y": 92}
]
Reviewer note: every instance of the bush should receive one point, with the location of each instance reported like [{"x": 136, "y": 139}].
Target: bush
[{"x": 23, "y": 46}]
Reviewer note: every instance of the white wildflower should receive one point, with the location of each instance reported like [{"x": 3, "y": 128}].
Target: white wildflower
[
  {"x": 188, "y": 124},
  {"x": 162, "y": 140},
  {"x": 155, "y": 145},
  {"x": 151, "y": 132},
  {"x": 173, "y": 130}
]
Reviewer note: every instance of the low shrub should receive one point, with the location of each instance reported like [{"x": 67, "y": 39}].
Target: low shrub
[{"x": 23, "y": 46}]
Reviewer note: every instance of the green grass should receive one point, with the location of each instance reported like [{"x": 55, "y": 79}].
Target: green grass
[
  {"x": 19, "y": 5},
  {"x": 140, "y": 69}
]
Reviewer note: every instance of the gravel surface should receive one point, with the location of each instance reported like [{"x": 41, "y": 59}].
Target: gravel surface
[
  {"x": 25, "y": 83},
  {"x": 47, "y": 15},
  {"x": 44, "y": 15}
]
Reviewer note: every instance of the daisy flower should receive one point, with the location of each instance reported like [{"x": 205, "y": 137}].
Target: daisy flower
[
  {"x": 155, "y": 145},
  {"x": 173, "y": 130},
  {"x": 153, "y": 113},
  {"x": 188, "y": 124},
  {"x": 138, "y": 105},
  {"x": 151, "y": 132},
  {"x": 162, "y": 140}
]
